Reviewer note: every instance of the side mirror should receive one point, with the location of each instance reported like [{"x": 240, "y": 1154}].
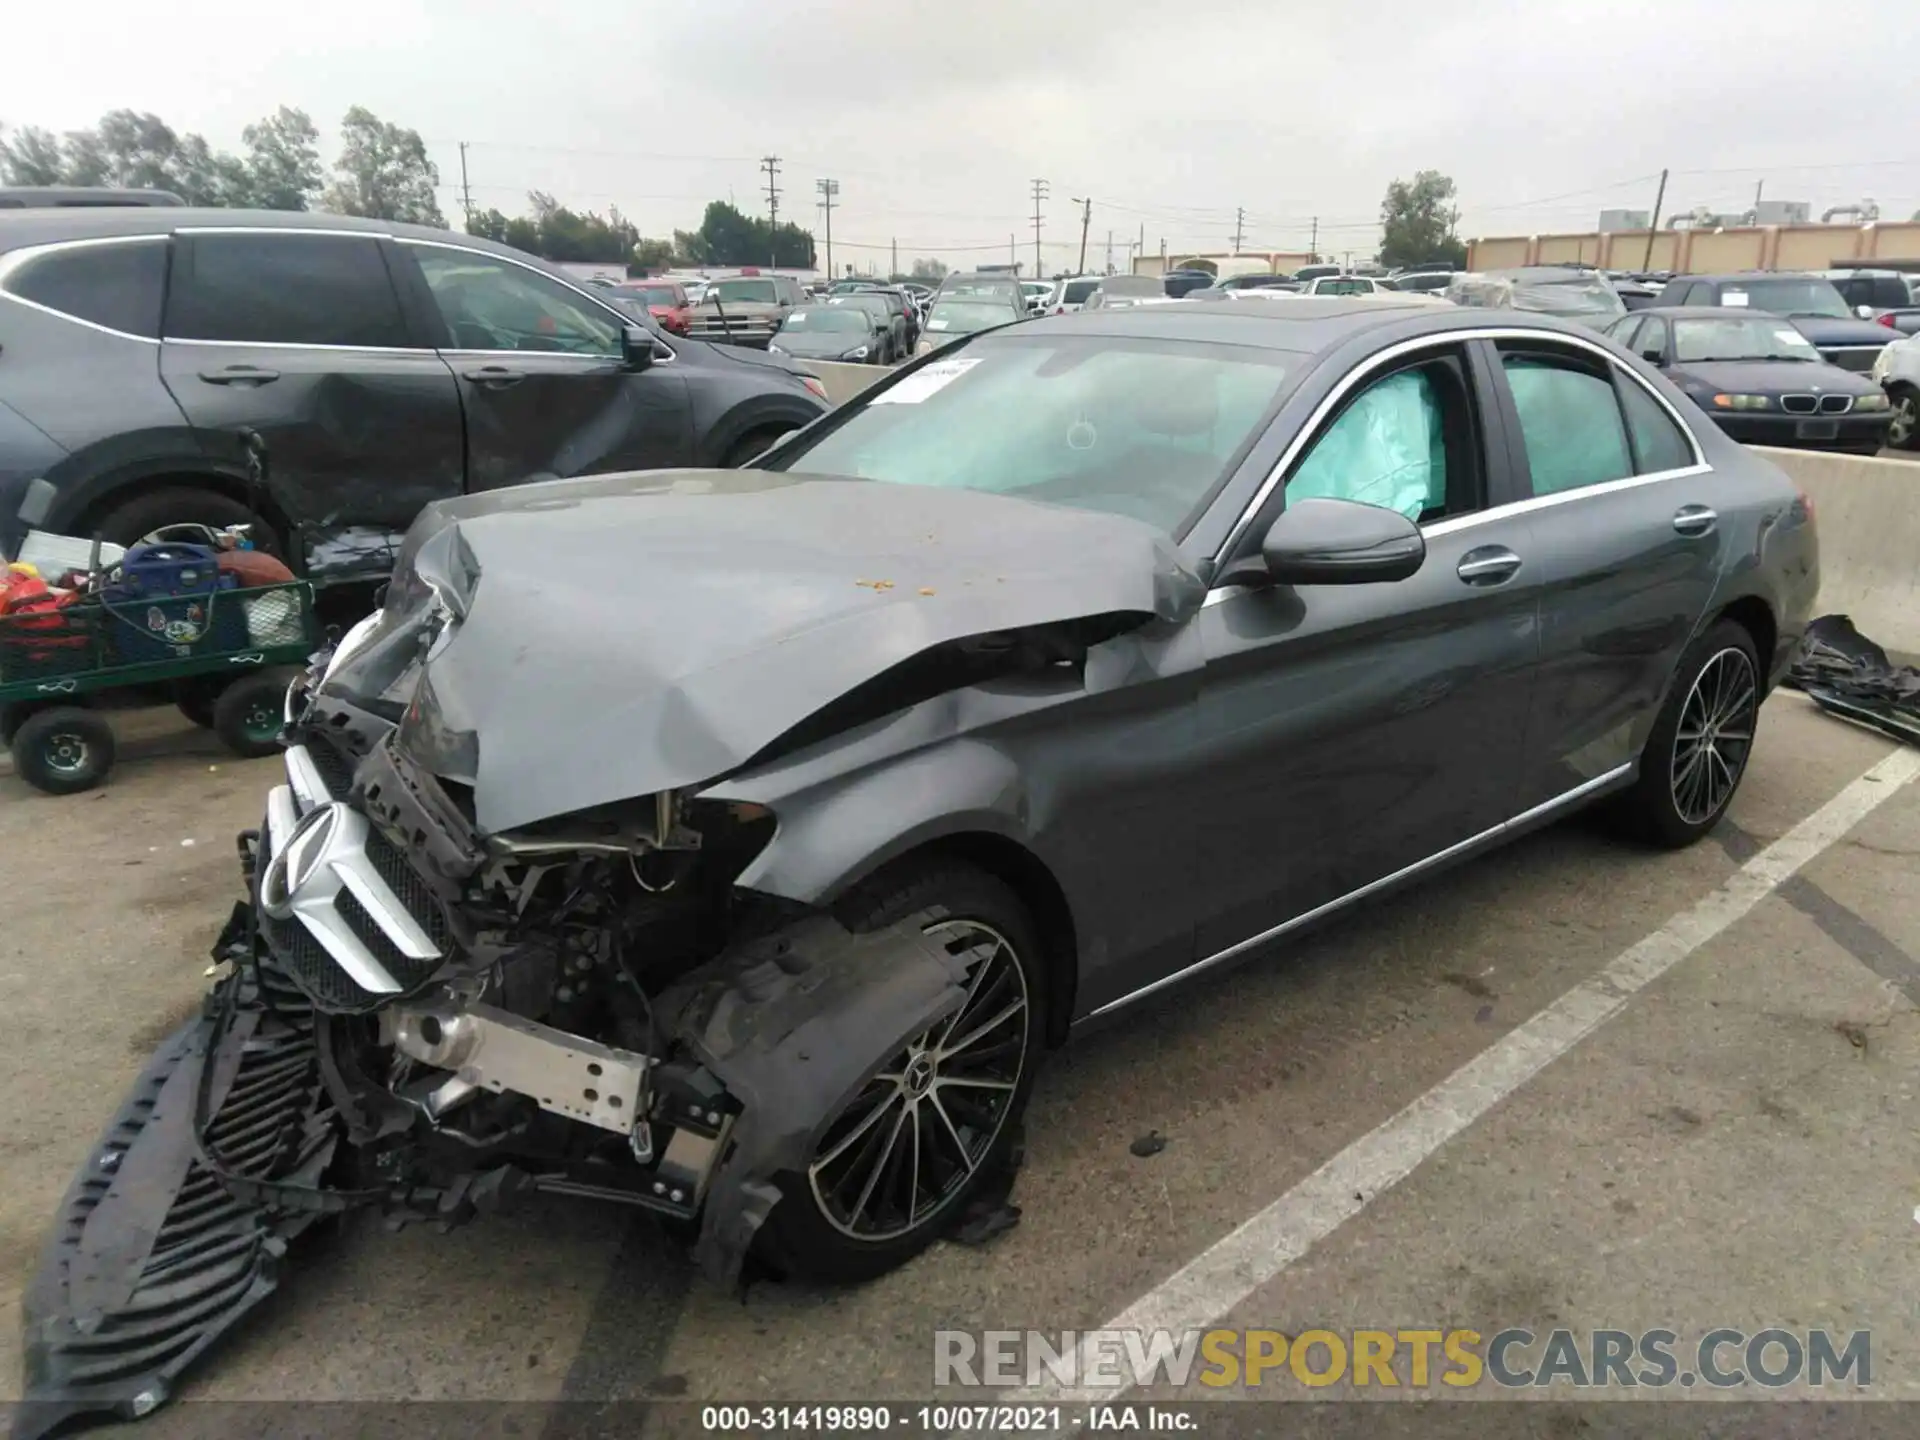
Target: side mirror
[
  {"x": 636, "y": 347},
  {"x": 1653, "y": 357},
  {"x": 1332, "y": 542},
  {"x": 1865, "y": 312}
]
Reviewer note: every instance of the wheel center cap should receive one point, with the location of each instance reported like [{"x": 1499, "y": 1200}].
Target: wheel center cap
[{"x": 919, "y": 1075}]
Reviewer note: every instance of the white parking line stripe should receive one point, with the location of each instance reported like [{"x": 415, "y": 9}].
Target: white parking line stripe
[{"x": 1225, "y": 1274}]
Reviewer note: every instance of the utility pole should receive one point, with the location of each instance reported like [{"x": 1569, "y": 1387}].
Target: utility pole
[
  {"x": 1762, "y": 185},
  {"x": 1659, "y": 197},
  {"x": 466, "y": 190},
  {"x": 771, "y": 164},
  {"x": 1109, "y": 253},
  {"x": 1239, "y": 228},
  {"x": 1313, "y": 245},
  {"x": 1011, "y": 258},
  {"x": 1086, "y": 218},
  {"x": 1039, "y": 194},
  {"x": 829, "y": 190}
]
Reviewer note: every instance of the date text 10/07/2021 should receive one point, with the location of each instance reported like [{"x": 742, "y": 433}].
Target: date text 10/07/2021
[{"x": 943, "y": 1419}]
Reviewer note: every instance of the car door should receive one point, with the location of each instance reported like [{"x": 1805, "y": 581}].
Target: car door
[
  {"x": 1353, "y": 731},
  {"x": 1624, "y": 511},
  {"x": 299, "y": 336},
  {"x": 545, "y": 391}
]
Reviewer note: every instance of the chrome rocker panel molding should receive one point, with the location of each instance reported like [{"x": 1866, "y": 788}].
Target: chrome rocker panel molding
[{"x": 1615, "y": 777}]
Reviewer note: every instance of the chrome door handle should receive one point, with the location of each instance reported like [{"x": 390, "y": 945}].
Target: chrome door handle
[
  {"x": 495, "y": 377},
  {"x": 240, "y": 375},
  {"x": 1695, "y": 520},
  {"x": 1488, "y": 565}
]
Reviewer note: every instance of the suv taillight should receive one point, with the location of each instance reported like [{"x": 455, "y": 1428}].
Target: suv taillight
[{"x": 1886, "y": 320}]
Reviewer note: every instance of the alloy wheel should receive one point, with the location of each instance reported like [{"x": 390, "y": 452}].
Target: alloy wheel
[
  {"x": 1715, "y": 736},
  {"x": 920, "y": 1128},
  {"x": 1906, "y": 417},
  {"x": 66, "y": 753}
]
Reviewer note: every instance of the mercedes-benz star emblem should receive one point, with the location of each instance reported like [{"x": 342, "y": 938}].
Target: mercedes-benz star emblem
[{"x": 297, "y": 860}]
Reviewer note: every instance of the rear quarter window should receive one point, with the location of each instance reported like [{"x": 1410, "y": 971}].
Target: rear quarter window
[{"x": 117, "y": 285}]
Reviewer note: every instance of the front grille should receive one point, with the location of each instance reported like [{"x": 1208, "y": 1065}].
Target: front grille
[
  {"x": 390, "y": 863},
  {"x": 1835, "y": 404},
  {"x": 307, "y": 963},
  {"x": 1800, "y": 404},
  {"x": 334, "y": 764},
  {"x": 411, "y": 973}
]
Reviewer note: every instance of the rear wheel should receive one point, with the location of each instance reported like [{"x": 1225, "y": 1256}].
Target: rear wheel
[
  {"x": 1903, "y": 431},
  {"x": 933, "y": 1125},
  {"x": 63, "y": 749},
  {"x": 127, "y": 523},
  {"x": 1697, "y": 753}
]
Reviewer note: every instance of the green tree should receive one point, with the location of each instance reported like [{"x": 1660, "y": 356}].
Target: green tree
[
  {"x": 1417, "y": 220},
  {"x": 283, "y": 160},
  {"x": 383, "y": 172},
  {"x": 650, "y": 255},
  {"x": 32, "y": 157},
  {"x": 488, "y": 224},
  {"x": 201, "y": 175}
]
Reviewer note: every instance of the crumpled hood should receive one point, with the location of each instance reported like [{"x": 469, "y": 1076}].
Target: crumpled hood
[{"x": 626, "y": 634}]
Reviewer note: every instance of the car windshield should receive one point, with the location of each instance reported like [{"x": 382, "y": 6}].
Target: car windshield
[
  {"x": 1739, "y": 338},
  {"x": 746, "y": 291},
  {"x": 963, "y": 317},
  {"x": 1809, "y": 297},
  {"x": 866, "y": 300},
  {"x": 1144, "y": 428},
  {"x": 834, "y": 319},
  {"x": 1077, "y": 291}
]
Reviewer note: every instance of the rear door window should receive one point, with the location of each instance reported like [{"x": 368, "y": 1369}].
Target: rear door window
[
  {"x": 1570, "y": 420},
  {"x": 115, "y": 285},
  {"x": 1658, "y": 442},
  {"x": 284, "y": 288}
]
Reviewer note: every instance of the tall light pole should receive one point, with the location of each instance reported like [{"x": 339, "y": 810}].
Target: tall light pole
[
  {"x": 829, "y": 196},
  {"x": 1039, "y": 194}
]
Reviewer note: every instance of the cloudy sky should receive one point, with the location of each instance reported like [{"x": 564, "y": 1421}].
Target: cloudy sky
[{"x": 936, "y": 117}]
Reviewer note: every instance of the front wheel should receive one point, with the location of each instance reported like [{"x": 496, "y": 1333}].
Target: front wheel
[
  {"x": 248, "y": 714},
  {"x": 1903, "y": 430},
  {"x": 63, "y": 749},
  {"x": 1697, "y": 752},
  {"x": 933, "y": 1125}
]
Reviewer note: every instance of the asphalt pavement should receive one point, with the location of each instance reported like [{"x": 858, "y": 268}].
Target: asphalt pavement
[{"x": 1571, "y": 1085}]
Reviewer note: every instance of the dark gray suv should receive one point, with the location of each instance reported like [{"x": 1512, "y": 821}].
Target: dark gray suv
[{"x": 384, "y": 366}]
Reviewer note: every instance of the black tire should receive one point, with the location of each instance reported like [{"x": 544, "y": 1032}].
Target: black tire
[
  {"x": 1903, "y": 433},
  {"x": 752, "y": 445},
  {"x": 196, "y": 699},
  {"x": 248, "y": 714},
  {"x": 127, "y": 523},
  {"x": 800, "y": 1238},
  {"x": 1690, "y": 772},
  {"x": 63, "y": 749}
]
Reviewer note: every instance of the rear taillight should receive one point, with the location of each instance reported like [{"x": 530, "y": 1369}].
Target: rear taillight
[{"x": 1886, "y": 320}]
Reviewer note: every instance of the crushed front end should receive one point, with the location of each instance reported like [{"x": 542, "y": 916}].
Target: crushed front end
[{"x": 415, "y": 1018}]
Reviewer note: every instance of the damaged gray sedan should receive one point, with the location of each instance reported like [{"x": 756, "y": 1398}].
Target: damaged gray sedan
[{"x": 732, "y": 845}]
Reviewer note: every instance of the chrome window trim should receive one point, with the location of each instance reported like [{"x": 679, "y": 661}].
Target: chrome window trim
[
  {"x": 1399, "y": 350},
  {"x": 1406, "y": 872},
  {"x": 27, "y": 254},
  {"x": 281, "y": 230}
]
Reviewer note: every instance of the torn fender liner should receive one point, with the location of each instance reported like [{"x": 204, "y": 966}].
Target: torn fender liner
[
  {"x": 151, "y": 1259},
  {"x": 793, "y": 1025},
  {"x": 628, "y": 634}
]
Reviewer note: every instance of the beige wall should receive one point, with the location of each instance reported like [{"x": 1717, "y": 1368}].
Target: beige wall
[{"x": 1767, "y": 247}]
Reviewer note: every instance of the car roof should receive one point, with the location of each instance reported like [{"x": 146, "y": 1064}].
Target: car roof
[
  {"x": 19, "y": 228},
  {"x": 1304, "y": 325},
  {"x": 1742, "y": 277}
]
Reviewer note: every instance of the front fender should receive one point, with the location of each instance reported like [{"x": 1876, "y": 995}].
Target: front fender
[{"x": 834, "y": 834}]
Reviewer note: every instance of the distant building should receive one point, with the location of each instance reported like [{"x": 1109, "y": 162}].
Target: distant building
[
  {"x": 1611, "y": 220},
  {"x": 1782, "y": 212}
]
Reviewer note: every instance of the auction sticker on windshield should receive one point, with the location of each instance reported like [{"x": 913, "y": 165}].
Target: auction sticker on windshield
[
  {"x": 930, "y": 381},
  {"x": 1733, "y": 297}
]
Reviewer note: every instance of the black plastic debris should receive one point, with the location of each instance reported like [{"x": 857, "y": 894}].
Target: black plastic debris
[
  {"x": 1151, "y": 1143},
  {"x": 1846, "y": 674}
]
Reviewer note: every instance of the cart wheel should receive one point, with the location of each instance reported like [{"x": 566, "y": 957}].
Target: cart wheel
[
  {"x": 195, "y": 699},
  {"x": 63, "y": 750},
  {"x": 248, "y": 714}
]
